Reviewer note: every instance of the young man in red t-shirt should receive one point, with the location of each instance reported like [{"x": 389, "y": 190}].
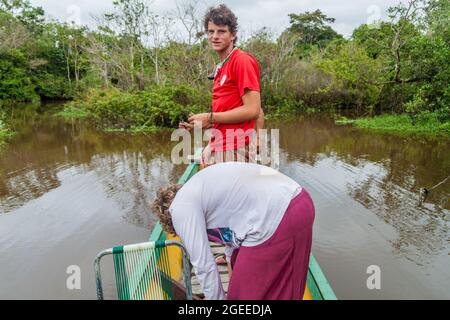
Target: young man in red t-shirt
[{"x": 236, "y": 101}]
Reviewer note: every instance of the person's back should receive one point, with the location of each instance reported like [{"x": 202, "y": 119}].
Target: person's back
[{"x": 248, "y": 199}]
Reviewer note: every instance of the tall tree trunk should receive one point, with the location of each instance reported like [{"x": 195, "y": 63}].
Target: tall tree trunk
[
  {"x": 132, "y": 65},
  {"x": 142, "y": 77},
  {"x": 156, "y": 67},
  {"x": 68, "y": 69},
  {"x": 76, "y": 69},
  {"x": 105, "y": 74}
]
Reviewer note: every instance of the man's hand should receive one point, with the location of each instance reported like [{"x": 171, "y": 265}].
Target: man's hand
[
  {"x": 185, "y": 125},
  {"x": 201, "y": 118}
]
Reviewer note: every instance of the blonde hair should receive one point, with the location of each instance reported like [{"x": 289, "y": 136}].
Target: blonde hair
[{"x": 164, "y": 198}]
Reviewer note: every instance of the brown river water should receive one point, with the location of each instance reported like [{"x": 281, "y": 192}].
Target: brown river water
[{"x": 68, "y": 191}]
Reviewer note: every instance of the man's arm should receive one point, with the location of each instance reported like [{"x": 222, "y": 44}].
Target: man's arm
[{"x": 250, "y": 110}]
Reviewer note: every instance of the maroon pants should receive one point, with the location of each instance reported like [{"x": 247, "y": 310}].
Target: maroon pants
[{"x": 277, "y": 268}]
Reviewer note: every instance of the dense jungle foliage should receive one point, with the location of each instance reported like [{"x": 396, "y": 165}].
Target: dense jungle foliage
[{"x": 138, "y": 71}]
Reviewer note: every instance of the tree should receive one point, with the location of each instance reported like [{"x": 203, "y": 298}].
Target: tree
[
  {"x": 71, "y": 41},
  {"x": 355, "y": 77},
  {"x": 187, "y": 14},
  {"x": 15, "y": 82},
  {"x": 437, "y": 19},
  {"x": 13, "y": 34},
  {"x": 394, "y": 40},
  {"x": 403, "y": 18},
  {"x": 312, "y": 29},
  {"x": 413, "y": 47},
  {"x": 374, "y": 38},
  {"x": 135, "y": 34},
  {"x": 429, "y": 54},
  {"x": 32, "y": 17},
  {"x": 130, "y": 21}
]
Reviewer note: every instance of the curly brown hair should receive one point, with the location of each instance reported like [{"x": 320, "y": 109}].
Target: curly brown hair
[
  {"x": 164, "y": 198},
  {"x": 221, "y": 15}
]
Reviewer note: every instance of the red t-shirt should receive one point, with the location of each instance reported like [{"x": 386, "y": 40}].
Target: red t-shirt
[{"x": 240, "y": 73}]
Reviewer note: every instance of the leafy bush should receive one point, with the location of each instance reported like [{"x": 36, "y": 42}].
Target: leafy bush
[
  {"x": 72, "y": 112},
  {"x": 157, "y": 106},
  {"x": 277, "y": 106},
  {"x": 15, "y": 83},
  {"x": 50, "y": 86}
]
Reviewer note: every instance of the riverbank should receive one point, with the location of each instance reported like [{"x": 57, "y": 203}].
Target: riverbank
[
  {"x": 427, "y": 123},
  {"x": 161, "y": 107}
]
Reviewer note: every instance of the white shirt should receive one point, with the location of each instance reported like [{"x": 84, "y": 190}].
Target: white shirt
[{"x": 238, "y": 203}]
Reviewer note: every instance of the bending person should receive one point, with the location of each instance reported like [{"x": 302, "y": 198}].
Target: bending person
[{"x": 253, "y": 208}]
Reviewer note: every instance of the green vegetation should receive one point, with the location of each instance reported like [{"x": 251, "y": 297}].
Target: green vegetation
[
  {"x": 424, "y": 123},
  {"x": 34, "y": 61},
  {"x": 5, "y": 133},
  {"x": 158, "y": 106},
  {"x": 130, "y": 72},
  {"x": 72, "y": 112}
]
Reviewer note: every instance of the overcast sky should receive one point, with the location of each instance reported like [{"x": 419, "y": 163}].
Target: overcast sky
[{"x": 252, "y": 14}]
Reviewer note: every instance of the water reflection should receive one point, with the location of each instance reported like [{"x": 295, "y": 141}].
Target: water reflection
[
  {"x": 130, "y": 167},
  {"x": 382, "y": 172},
  {"x": 131, "y": 181}
]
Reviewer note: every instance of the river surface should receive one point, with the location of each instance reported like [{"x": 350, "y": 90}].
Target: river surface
[{"x": 68, "y": 191}]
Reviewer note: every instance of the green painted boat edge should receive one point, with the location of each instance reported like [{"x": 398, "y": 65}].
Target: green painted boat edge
[
  {"x": 157, "y": 233},
  {"x": 317, "y": 282},
  {"x": 313, "y": 287}
]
